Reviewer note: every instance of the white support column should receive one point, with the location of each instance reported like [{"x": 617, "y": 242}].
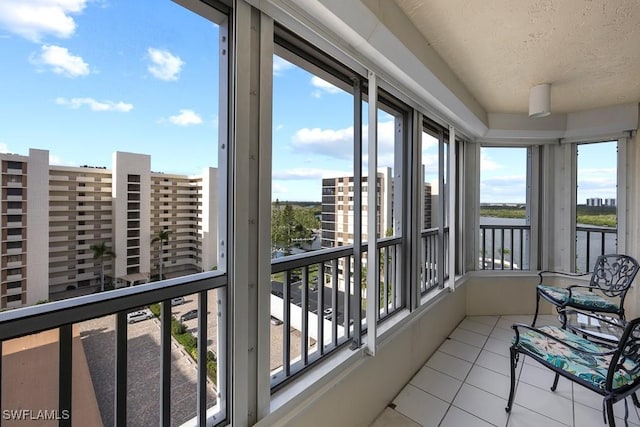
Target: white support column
[
  {"x": 372, "y": 252},
  {"x": 453, "y": 220},
  {"x": 416, "y": 210},
  {"x": 251, "y": 263},
  {"x": 621, "y": 196}
]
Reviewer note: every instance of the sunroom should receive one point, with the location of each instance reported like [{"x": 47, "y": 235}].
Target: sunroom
[{"x": 481, "y": 182}]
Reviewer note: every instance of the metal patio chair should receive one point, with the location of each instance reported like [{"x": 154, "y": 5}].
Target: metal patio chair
[
  {"x": 611, "y": 278},
  {"x": 612, "y": 371}
]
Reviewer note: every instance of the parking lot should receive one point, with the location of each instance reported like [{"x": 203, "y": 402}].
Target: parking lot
[{"x": 143, "y": 381}]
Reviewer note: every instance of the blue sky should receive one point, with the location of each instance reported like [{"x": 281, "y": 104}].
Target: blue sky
[{"x": 85, "y": 78}]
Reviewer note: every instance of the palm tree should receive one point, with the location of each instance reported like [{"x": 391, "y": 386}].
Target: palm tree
[
  {"x": 102, "y": 251},
  {"x": 162, "y": 237}
]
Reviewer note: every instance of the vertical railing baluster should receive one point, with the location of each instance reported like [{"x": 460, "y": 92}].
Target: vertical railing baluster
[
  {"x": 346, "y": 309},
  {"x": 286, "y": 325},
  {"x": 304, "y": 304},
  {"x": 522, "y": 236},
  {"x": 65, "y": 374},
  {"x": 334, "y": 302},
  {"x": 120, "y": 407},
  {"x": 588, "y": 258},
  {"x": 165, "y": 363},
  {"x": 423, "y": 268},
  {"x": 502, "y": 247},
  {"x": 320, "y": 310},
  {"x": 493, "y": 248},
  {"x": 512, "y": 250},
  {"x": 484, "y": 246},
  {"x": 203, "y": 309},
  {"x": 384, "y": 261},
  {"x": 602, "y": 248}
]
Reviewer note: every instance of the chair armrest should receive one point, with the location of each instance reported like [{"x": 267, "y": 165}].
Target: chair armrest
[
  {"x": 562, "y": 273},
  {"x": 515, "y": 327}
]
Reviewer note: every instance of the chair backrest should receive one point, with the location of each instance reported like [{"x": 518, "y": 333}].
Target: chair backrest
[
  {"x": 627, "y": 357},
  {"x": 614, "y": 273}
]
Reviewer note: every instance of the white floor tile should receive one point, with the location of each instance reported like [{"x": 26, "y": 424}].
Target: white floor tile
[
  {"x": 544, "y": 402},
  {"x": 495, "y": 362},
  {"x": 543, "y": 379},
  {"x": 498, "y": 347},
  {"x": 586, "y": 416},
  {"x": 469, "y": 337},
  {"x": 503, "y": 334},
  {"x": 482, "y": 404},
  {"x": 392, "y": 418},
  {"x": 435, "y": 382},
  {"x": 420, "y": 406},
  {"x": 487, "y": 320},
  {"x": 489, "y": 380},
  {"x": 519, "y": 318},
  {"x": 457, "y": 417},
  {"x": 586, "y": 397},
  {"x": 523, "y": 417},
  {"x": 457, "y": 368},
  {"x": 461, "y": 350},
  {"x": 477, "y": 327},
  {"x": 505, "y": 324}
]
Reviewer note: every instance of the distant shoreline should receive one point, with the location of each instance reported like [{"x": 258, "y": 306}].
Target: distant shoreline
[{"x": 600, "y": 216}]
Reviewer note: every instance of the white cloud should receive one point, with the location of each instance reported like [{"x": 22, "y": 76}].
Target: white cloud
[
  {"x": 277, "y": 188},
  {"x": 487, "y": 164},
  {"x": 4, "y": 148},
  {"x": 308, "y": 173},
  {"x": 504, "y": 189},
  {"x": 338, "y": 143},
  {"x": 164, "y": 65},
  {"x": 59, "y": 161},
  {"x": 94, "y": 105},
  {"x": 61, "y": 61},
  {"x": 33, "y": 19},
  {"x": 322, "y": 86},
  {"x": 596, "y": 182},
  {"x": 280, "y": 66},
  {"x": 279, "y": 127},
  {"x": 186, "y": 118}
]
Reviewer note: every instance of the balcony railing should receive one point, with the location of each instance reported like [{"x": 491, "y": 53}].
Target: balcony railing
[
  {"x": 429, "y": 259},
  {"x": 504, "y": 247},
  {"x": 64, "y": 316},
  {"x": 592, "y": 242},
  {"x": 317, "y": 307}
]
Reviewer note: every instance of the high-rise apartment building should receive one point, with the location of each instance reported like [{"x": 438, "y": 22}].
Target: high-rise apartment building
[
  {"x": 52, "y": 215},
  {"x": 337, "y": 208}
]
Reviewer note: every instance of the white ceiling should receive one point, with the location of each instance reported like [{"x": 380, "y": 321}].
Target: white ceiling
[{"x": 588, "y": 50}]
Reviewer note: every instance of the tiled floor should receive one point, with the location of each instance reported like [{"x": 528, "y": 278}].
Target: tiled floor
[{"x": 466, "y": 384}]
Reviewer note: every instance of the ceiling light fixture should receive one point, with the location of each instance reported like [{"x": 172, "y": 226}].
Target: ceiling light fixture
[{"x": 540, "y": 101}]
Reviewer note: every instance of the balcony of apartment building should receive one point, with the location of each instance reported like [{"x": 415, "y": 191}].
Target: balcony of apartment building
[{"x": 318, "y": 338}]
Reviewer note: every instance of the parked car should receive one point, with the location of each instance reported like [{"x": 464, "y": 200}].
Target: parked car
[
  {"x": 191, "y": 314},
  {"x": 327, "y": 312},
  {"x": 177, "y": 301},
  {"x": 275, "y": 321},
  {"x": 139, "y": 316}
]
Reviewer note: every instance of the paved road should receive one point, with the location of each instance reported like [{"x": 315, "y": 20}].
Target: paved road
[{"x": 143, "y": 395}]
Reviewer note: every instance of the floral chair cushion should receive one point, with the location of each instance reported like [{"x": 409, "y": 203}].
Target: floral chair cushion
[
  {"x": 588, "y": 367},
  {"x": 579, "y": 297}
]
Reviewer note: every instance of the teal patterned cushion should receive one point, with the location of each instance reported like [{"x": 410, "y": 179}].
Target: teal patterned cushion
[
  {"x": 588, "y": 367},
  {"x": 579, "y": 297}
]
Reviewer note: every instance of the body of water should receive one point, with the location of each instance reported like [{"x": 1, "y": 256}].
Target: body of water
[{"x": 598, "y": 243}]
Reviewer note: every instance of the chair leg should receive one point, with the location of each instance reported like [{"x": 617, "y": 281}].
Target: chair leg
[
  {"x": 610, "y": 418},
  {"x": 635, "y": 400},
  {"x": 535, "y": 316},
  {"x": 555, "y": 382},
  {"x": 514, "y": 362}
]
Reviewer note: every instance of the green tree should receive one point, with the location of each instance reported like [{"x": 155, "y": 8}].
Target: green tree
[
  {"x": 289, "y": 225},
  {"x": 102, "y": 251},
  {"x": 162, "y": 237}
]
